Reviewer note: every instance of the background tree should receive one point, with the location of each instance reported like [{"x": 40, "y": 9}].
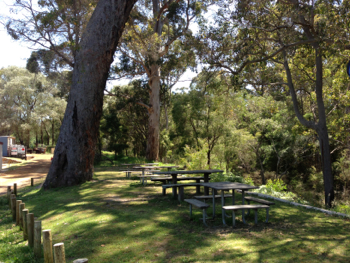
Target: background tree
[
  {"x": 129, "y": 115},
  {"x": 55, "y": 27},
  {"x": 258, "y": 31},
  {"x": 28, "y": 100},
  {"x": 154, "y": 40}
]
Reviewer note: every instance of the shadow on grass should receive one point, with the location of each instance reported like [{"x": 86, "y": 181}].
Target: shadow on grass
[{"x": 114, "y": 219}]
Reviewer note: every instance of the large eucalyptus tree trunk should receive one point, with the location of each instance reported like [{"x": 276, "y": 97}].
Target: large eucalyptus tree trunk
[
  {"x": 152, "y": 150},
  {"x": 75, "y": 150}
]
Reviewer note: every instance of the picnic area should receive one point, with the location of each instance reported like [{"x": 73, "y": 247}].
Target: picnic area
[{"x": 115, "y": 218}]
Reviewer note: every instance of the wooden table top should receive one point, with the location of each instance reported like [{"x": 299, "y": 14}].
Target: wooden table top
[
  {"x": 190, "y": 172},
  {"x": 229, "y": 186}
]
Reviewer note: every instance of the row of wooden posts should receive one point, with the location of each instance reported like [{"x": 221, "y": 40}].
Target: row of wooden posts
[{"x": 32, "y": 231}]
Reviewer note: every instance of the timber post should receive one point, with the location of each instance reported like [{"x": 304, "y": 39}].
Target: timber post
[
  {"x": 18, "y": 202},
  {"x": 58, "y": 250},
  {"x": 81, "y": 260},
  {"x": 8, "y": 193},
  {"x": 13, "y": 206},
  {"x": 15, "y": 189},
  {"x": 31, "y": 181},
  {"x": 10, "y": 204},
  {"x": 21, "y": 207},
  {"x": 24, "y": 216},
  {"x": 30, "y": 229},
  {"x": 47, "y": 246},
  {"x": 37, "y": 239}
]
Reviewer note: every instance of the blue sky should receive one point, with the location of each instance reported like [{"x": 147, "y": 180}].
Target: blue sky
[
  {"x": 12, "y": 53},
  {"x": 16, "y": 53}
]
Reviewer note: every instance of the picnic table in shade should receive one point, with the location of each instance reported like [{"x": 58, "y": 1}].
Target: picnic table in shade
[
  {"x": 168, "y": 167},
  {"x": 143, "y": 169},
  {"x": 226, "y": 186},
  {"x": 174, "y": 175},
  {"x": 128, "y": 166}
]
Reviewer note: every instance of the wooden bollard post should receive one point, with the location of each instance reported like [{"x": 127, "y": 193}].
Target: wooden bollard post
[
  {"x": 30, "y": 229},
  {"x": 13, "y": 206},
  {"x": 8, "y": 192},
  {"x": 81, "y": 260},
  {"x": 25, "y": 230},
  {"x": 37, "y": 239},
  {"x": 10, "y": 202},
  {"x": 47, "y": 246},
  {"x": 18, "y": 202},
  {"x": 21, "y": 207},
  {"x": 31, "y": 181},
  {"x": 15, "y": 189},
  {"x": 58, "y": 251}
]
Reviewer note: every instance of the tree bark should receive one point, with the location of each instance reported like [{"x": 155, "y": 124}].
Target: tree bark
[
  {"x": 152, "y": 150},
  {"x": 75, "y": 150},
  {"x": 320, "y": 127},
  {"x": 53, "y": 132}
]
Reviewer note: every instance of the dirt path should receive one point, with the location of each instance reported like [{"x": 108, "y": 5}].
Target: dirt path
[{"x": 36, "y": 168}]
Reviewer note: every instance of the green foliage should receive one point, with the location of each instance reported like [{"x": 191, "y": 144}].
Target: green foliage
[
  {"x": 195, "y": 159},
  {"x": 277, "y": 189},
  {"x": 30, "y": 104},
  {"x": 276, "y": 185},
  {"x": 316, "y": 179},
  {"x": 226, "y": 177}
]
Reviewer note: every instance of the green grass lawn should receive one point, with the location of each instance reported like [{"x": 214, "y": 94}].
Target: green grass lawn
[{"x": 115, "y": 219}]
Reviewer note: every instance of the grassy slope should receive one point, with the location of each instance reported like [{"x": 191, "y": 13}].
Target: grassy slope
[{"x": 113, "y": 219}]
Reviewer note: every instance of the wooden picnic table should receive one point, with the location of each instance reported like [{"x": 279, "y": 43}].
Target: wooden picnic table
[
  {"x": 143, "y": 168},
  {"x": 128, "y": 165},
  {"x": 174, "y": 175},
  {"x": 168, "y": 167},
  {"x": 226, "y": 186}
]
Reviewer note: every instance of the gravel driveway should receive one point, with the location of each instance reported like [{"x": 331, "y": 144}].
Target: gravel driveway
[{"x": 36, "y": 168}]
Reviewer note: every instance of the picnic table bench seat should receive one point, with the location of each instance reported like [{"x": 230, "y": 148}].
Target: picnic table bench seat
[
  {"x": 205, "y": 197},
  {"x": 233, "y": 208},
  {"x": 200, "y": 205},
  {"x": 257, "y": 200},
  {"x": 181, "y": 188},
  {"x": 167, "y": 180},
  {"x": 145, "y": 176}
]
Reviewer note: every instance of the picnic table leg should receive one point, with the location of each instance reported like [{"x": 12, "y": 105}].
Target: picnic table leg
[
  {"x": 243, "y": 211},
  {"x": 233, "y": 196},
  {"x": 181, "y": 194},
  {"x": 267, "y": 215},
  {"x": 206, "y": 180},
  {"x": 174, "y": 182},
  {"x": 222, "y": 204},
  {"x": 198, "y": 188},
  {"x": 164, "y": 189},
  {"x": 143, "y": 176},
  {"x": 213, "y": 192}
]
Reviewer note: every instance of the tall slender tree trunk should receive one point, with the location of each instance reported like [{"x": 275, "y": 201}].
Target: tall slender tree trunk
[
  {"x": 320, "y": 127},
  {"x": 326, "y": 165},
  {"x": 41, "y": 133},
  {"x": 152, "y": 150},
  {"x": 53, "y": 132},
  {"x": 75, "y": 150}
]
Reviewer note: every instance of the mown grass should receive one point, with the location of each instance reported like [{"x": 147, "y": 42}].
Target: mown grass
[{"x": 115, "y": 219}]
